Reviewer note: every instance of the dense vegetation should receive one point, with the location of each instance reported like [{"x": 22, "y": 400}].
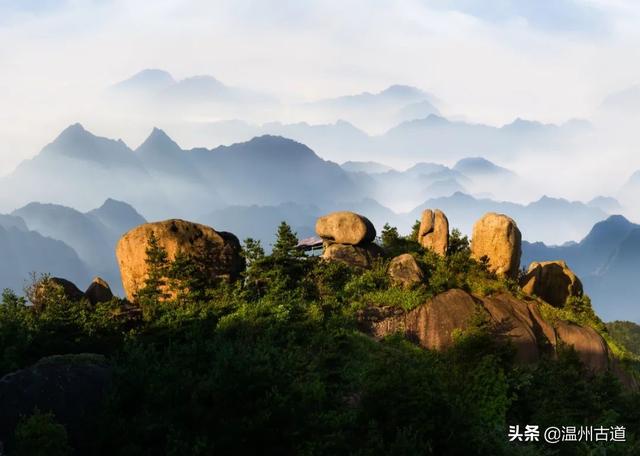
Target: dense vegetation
[{"x": 275, "y": 364}]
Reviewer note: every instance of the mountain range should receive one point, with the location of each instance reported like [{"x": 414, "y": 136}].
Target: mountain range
[
  {"x": 409, "y": 141},
  {"x": 162, "y": 180},
  {"x": 79, "y": 169}
]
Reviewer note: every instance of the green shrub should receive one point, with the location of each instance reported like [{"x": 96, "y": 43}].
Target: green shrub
[{"x": 40, "y": 435}]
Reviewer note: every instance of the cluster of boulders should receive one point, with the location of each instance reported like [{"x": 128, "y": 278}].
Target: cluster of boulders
[
  {"x": 349, "y": 238},
  {"x": 496, "y": 241},
  {"x": 98, "y": 290}
]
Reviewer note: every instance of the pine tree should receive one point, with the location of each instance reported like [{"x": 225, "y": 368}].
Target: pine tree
[
  {"x": 157, "y": 271},
  {"x": 415, "y": 231},
  {"x": 389, "y": 236},
  {"x": 252, "y": 250},
  {"x": 286, "y": 242}
]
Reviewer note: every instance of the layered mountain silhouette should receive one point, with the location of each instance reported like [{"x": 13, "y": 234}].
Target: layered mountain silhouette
[
  {"x": 91, "y": 235},
  {"x": 79, "y": 169},
  {"x": 25, "y": 252},
  {"x": 607, "y": 260},
  {"x": 374, "y": 111},
  {"x": 162, "y": 180},
  {"x": 159, "y": 86},
  {"x": 408, "y": 141}
]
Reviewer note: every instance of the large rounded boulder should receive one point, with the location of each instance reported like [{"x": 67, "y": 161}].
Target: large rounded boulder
[
  {"x": 497, "y": 237},
  {"x": 552, "y": 281},
  {"x": 345, "y": 227},
  {"x": 221, "y": 250},
  {"x": 71, "y": 386},
  {"x": 404, "y": 271},
  {"x": 434, "y": 231}
]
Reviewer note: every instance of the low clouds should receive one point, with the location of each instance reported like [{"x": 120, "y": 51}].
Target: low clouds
[{"x": 488, "y": 62}]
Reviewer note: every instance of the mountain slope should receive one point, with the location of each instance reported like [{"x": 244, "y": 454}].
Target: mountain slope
[
  {"x": 24, "y": 252},
  {"x": 270, "y": 170},
  {"x": 93, "y": 235},
  {"x": 81, "y": 170},
  {"x": 607, "y": 262}
]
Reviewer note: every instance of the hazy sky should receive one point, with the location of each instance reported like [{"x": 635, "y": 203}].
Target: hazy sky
[{"x": 489, "y": 61}]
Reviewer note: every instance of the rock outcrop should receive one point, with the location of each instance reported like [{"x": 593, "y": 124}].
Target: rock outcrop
[
  {"x": 360, "y": 256},
  {"x": 221, "y": 250},
  {"x": 433, "y": 325},
  {"x": 552, "y": 281},
  {"x": 498, "y": 238},
  {"x": 348, "y": 237},
  {"x": 404, "y": 271},
  {"x": 70, "y": 386},
  {"x": 98, "y": 291},
  {"x": 434, "y": 231},
  {"x": 514, "y": 322},
  {"x": 589, "y": 345},
  {"x": 345, "y": 228}
]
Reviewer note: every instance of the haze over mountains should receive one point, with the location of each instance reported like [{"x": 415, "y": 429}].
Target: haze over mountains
[
  {"x": 75, "y": 245},
  {"x": 400, "y": 154},
  {"x": 161, "y": 180}
]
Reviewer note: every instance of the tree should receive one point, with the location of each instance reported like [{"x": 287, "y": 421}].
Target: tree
[
  {"x": 389, "y": 236},
  {"x": 415, "y": 230},
  {"x": 286, "y": 242},
  {"x": 157, "y": 261},
  {"x": 252, "y": 250},
  {"x": 458, "y": 243},
  {"x": 40, "y": 435}
]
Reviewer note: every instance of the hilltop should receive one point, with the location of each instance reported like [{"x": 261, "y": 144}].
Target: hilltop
[{"x": 290, "y": 352}]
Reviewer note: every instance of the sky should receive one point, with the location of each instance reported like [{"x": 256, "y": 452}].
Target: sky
[{"x": 487, "y": 61}]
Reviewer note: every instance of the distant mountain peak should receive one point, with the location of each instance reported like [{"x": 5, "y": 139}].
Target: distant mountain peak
[
  {"x": 150, "y": 78},
  {"x": 618, "y": 219},
  {"x": 400, "y": 90},
  {"x": 113, "y": 203},
  {"x": 74, "y": 134},
  {"x": 201, "y": 81},
  {"x": 479, "y": 166},
  {"x": 73, "y": 130},
  {"x": 158, "y": 141}
]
